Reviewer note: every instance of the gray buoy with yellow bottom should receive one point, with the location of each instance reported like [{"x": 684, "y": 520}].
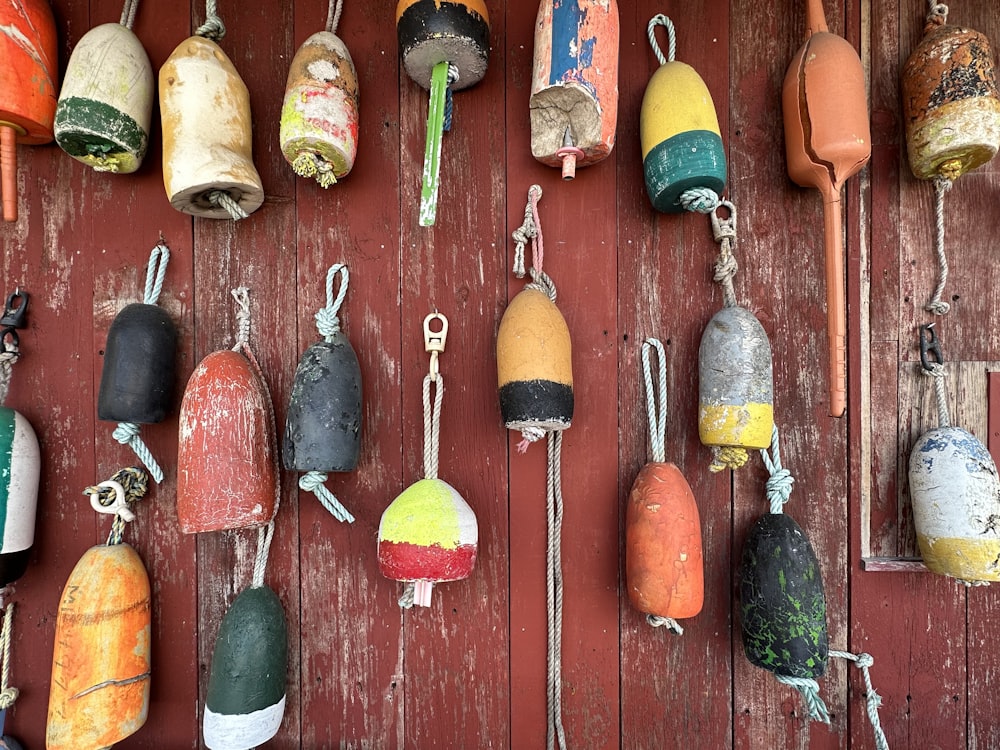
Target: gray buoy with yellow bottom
[
  {"x": 106, "y": 101},
  {"x": 208, "y": 169}
]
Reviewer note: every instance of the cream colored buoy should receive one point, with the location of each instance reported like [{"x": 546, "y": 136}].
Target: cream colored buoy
[
  {"x": 106, "y": 102},
  {"x": 319, "y": 117},
  {"x": 208, "y": 169}
]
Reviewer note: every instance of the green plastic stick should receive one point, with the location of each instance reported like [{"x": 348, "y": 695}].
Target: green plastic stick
[{"x": 432, "y": 149}]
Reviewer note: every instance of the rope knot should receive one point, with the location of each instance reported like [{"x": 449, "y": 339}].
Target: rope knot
[
  {"x": 542, "y": 282},
  {"x": 700, "y": 200},
  {"x": 779, "y": 488},
  {"x": 125, "y": 432},
  {"x": 665, "y": 622},
  {"x": 213, "y": 29},
  {"x": 865, "y": 660},
  {"x": 327, "y": 322},
  {"x": 725, "y": 268},
  {"x": 7, "y": 697}
]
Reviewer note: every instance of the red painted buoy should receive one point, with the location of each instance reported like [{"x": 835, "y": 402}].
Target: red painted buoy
[
  {"x": 28, "y": 90},
  {"x": 225, "y": 455}
]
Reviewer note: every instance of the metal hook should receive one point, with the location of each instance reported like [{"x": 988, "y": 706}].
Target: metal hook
[
  {"x": 434, "y": 341},
  {"x": 118, "y": 505},
  {"x": 15, "y": 309},
  {"x": 930, "y": 347}
]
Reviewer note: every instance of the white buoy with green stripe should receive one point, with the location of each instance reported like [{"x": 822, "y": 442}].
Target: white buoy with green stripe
[
  {"x": 106, "y": 101},
  {"x": 679, "y": 131}
]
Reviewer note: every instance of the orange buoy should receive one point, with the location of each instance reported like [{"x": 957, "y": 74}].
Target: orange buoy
[
  {"x": 28, "y": 90},
  {"x": 664, "y": 569},
  {"x": 827, "y": 139},
  {"x": 226, "y": 470}
]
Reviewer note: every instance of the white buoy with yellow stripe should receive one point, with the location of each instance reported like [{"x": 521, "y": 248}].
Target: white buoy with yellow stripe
[{"x": 106, "y": 101}]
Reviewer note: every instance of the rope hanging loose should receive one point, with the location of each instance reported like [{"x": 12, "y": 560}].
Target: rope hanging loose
[
  {"x": 936, "y": 305},
  {"x": 328, "y": 325},
  {"x": 555, "y": 734},
  {"x": 531, "y": 230},
  {"x": 333, "y": 15},
  {"x": 128, "y": 13},
  {"x": 872, "y": 699},
  {"x": 127, "y": 433},
  {"x": 213, "y": 29},
  {"x": 116, "y": 496},
  {"x": 8, "y": 694}
]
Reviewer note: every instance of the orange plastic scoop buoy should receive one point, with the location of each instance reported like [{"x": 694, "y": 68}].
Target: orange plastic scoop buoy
[
  {"x": 827, "y": 139},
  {"x": 28, "y": 91}
]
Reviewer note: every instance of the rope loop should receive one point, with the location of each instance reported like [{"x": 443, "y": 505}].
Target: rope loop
[
  {"x": 657, "y": 423},
  {"x": 779, "y": 484},
  {"x": 242, "y": 296},
  {"x": 128, "y": 13},
  {"x": 327, "y": 318},
  {"x": 264, "y": 536},
  {"x": 224, "y": 200},
  {"x": 432, "y": 424},
  {"x": 700, "y": 200},
  {"x": 809, "y": 689},
  {"x": 333, "y": 15},
  {"x": 661, "y": 20},
  {"x": 665, "y": 622},
  {"x": 313, "y": 481},
  {"x": 9, "y": 354},
  {"x": 530, "y": 229},
  {"x": 156, "y": 270},
  {"x": 8, "y": 694},
  {"x": 543, "y": 283},
  {"x": 213, "y": 29}
]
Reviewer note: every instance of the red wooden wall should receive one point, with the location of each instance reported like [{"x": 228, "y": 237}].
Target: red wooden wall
[{"x": 470, "y": 671}]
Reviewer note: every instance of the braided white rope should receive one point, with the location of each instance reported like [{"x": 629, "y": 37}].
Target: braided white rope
[
  {"x": 327, "y": 318},
  {"x": 128, "y": 13},
  {"x": 554, "y": 590},
  {"x": 8, "y": 694},
  {"x": 662, "y": 20},
  {"x": 333, "y": 15},
  {"x": 213, "y": 29},
  {"x": 936, "y": 305},
  {"x": 432, "y": 424},
  {"x": 657, "y": 424},
  {"x": 872, "y": 699}
]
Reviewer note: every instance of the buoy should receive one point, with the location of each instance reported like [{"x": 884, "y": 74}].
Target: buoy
[
  {"x": 137, "y": 380},
  {"x": 20, "y": 469},
  {"x": 827, "y": 140},
  {"x": 679, "y": 132},
  {"x": 445, "y": 45},
  {"x": 319, "y": 116},
  {"x": 28, "y": 70},
  {"x": 782, "y": 603},
  {"x": 225, "y": 454},
  {"x": 664, "y": 570},
  {"x": 323, "y": 422},
  {"x": 106, "y": 103},
  {"x": 429, "y": 533},
  {"x": 100, "y": 665},
  {"x": 951, "y": 105},
  {"x": 246, "y": 685},
  {"x": 20, "y": 456},
  {"x": 954, "y": 489},
  {"x": 735, "y": 387},
  {"x": 208, "y": 168},
  {"x": 574, "y": 83}
]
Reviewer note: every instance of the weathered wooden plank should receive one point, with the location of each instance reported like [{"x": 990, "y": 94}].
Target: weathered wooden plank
[
  {"x": 454, "y": 657},
  {"x": 351, "y": 638},
  {"x": 665, "y": 289}
]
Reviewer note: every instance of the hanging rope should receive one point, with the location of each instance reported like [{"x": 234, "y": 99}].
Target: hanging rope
[
  {"x": 128, "y": 13},
  {"x": 328, "y": 325},
  {"x": 724, "y": 232},
  {"x": 8, "y": 694},
  {"x": 662, "y": 20},
  {"x": 554, "y": 590},
  {"x": 333, "y": 12},
  {"x": 657, "y": 424},
  {"x": 780, "y": 480},
  {"x": 937, "y": 13},
  {"x": 872, "y": 699},
  {"x": 449, "y": 96},
  {"x": 242, "y": 296},
  {"x": 105, "y": 497},
  {"x": 213, "y": 28},
  {"x": 936, "y": 305},
  {"x": 127, "y": 433},
  {"x": 432, "y": 424}
]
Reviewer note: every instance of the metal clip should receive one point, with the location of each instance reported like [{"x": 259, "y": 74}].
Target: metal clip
[
  {"x": 15, "y": 309},
  {"x": 724, "y": 228},
  {"x": 434, "y": 341},
  {"x": 118, "y": 504},
  {"x": 930, "y": 347}
]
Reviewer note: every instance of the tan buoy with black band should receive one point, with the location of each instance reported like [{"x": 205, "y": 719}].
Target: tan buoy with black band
[{"x": 208, "y": 168}]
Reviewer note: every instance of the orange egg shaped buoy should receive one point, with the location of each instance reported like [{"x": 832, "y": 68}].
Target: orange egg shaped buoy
[
  {"x": 28, "y": 87},
  {"x": 827, "y": 140},
  {"x": 664, "y": 569},
  {"x": 226, "y": 470}
]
